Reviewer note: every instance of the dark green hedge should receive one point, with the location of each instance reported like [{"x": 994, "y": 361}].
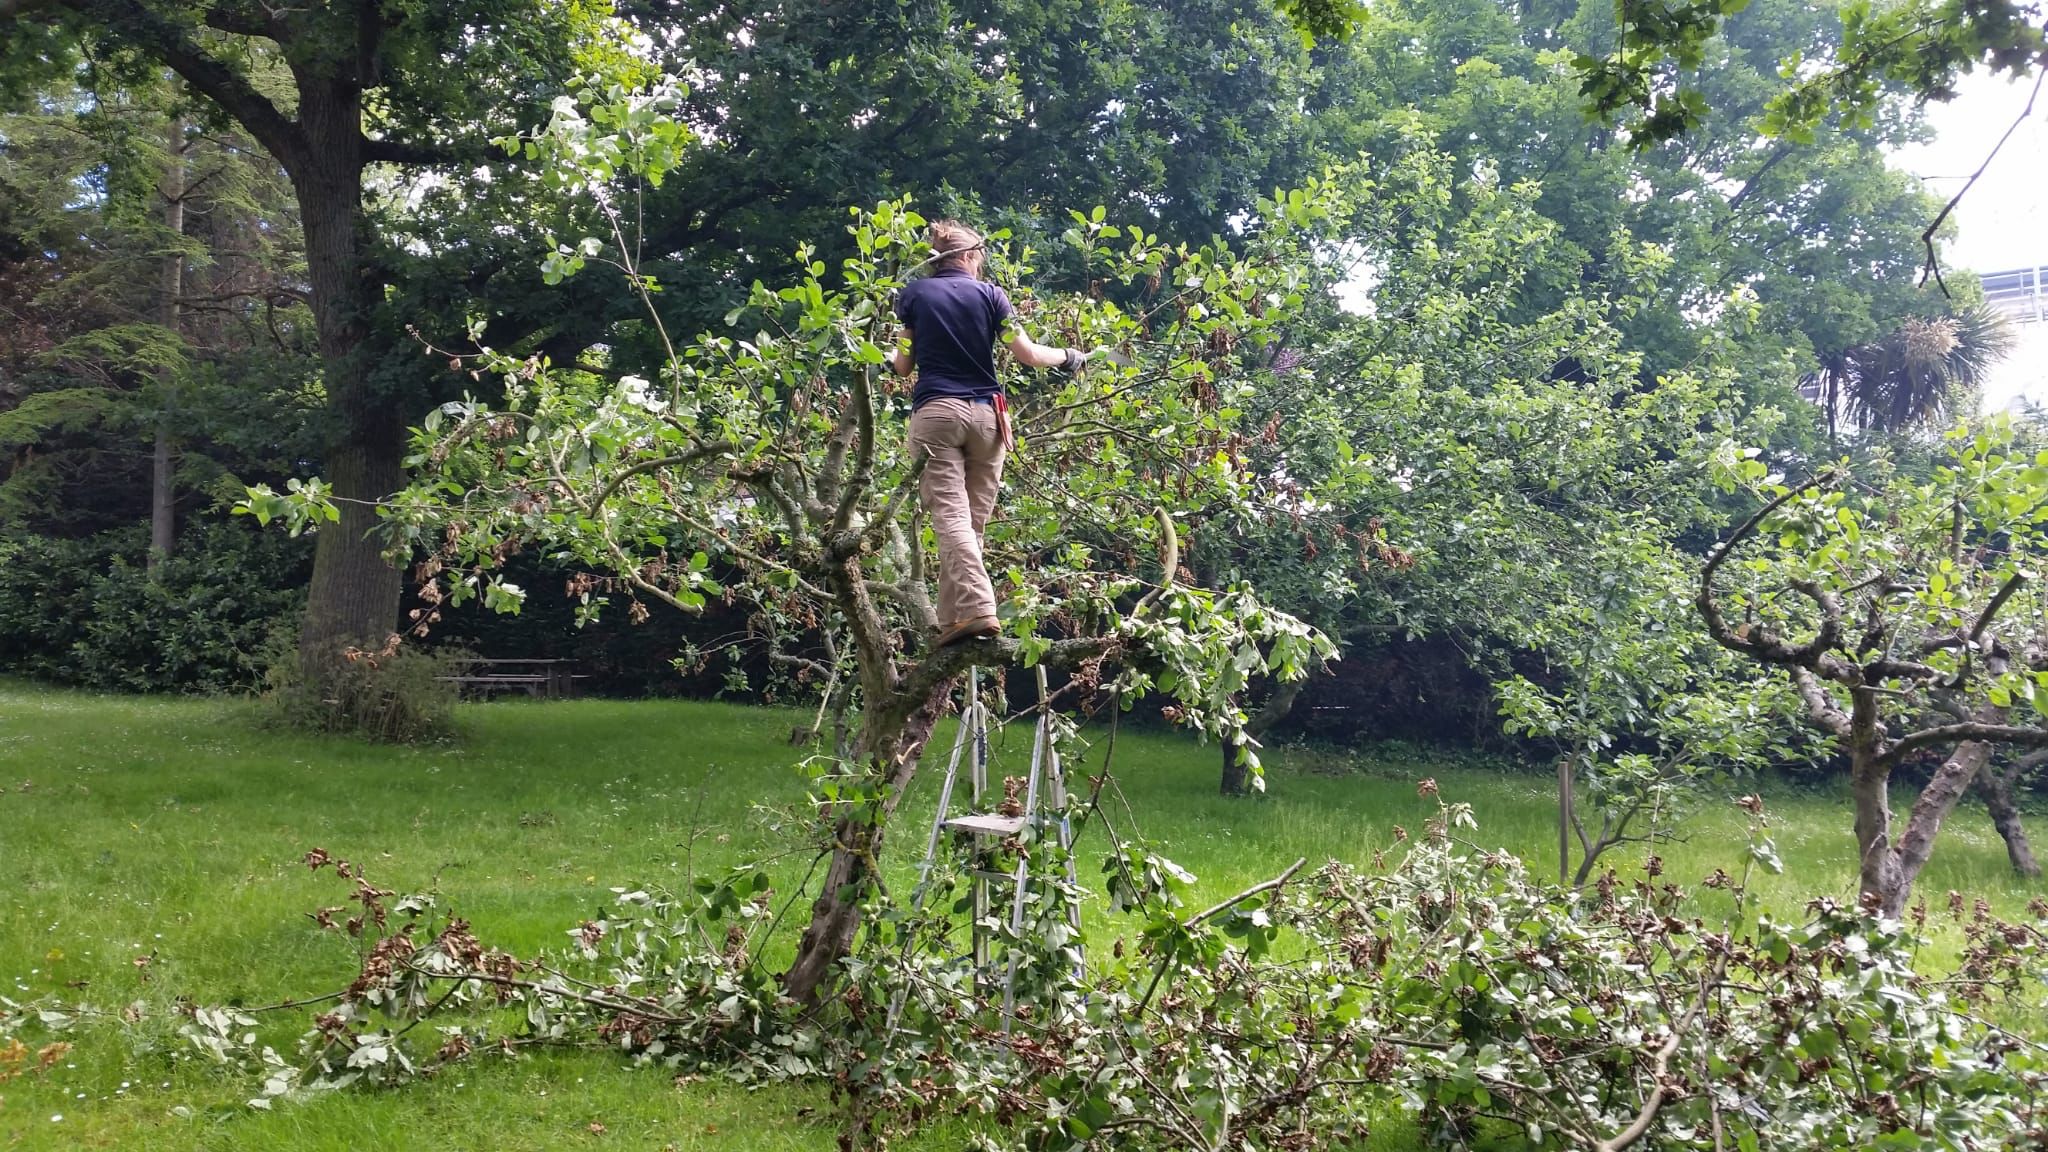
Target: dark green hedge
[{"x": 87, "y": 612}]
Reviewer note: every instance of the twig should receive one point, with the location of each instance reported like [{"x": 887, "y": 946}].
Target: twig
[
  {"x": 1933, "y": 266},
  {"x": 1254, "y": 890},
  {"x": 284, "y": 1004}
]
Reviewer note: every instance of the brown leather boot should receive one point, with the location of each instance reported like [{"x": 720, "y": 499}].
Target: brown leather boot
[{"x": 974, "y": 628}]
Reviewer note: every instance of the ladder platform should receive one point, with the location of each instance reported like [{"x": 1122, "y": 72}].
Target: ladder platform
[{"x": 989, "y": 825}]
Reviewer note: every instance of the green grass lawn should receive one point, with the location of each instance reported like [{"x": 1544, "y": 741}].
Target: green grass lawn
[{"x": 172, "y": 829}]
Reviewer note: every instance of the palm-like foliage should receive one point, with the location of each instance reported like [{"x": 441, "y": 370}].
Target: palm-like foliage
[{"x": 1914, "y": 376}]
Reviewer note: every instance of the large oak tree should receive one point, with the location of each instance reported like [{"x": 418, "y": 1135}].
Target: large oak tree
[{"x": 330, "y": 91}]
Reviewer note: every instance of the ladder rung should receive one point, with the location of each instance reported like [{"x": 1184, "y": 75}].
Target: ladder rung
[{"x": 989, "y": 825}]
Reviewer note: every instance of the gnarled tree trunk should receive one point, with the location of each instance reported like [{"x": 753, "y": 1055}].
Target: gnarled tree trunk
[
  {"x": 1236, "y": 776},
  {"x": 1890, "y": 867},
  {"x": 1997, "y": 786},
  {"x": 890, "y": 744}
]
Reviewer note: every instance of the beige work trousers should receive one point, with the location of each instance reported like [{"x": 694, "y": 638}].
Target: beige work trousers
[{"x": 962, "y": 446}]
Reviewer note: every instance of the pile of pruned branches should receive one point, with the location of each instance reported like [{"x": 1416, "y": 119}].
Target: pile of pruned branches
[{"x": 1445, "y": 988}]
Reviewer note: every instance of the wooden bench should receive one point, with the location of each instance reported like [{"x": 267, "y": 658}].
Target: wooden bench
[{"x": 551, "y": 679}]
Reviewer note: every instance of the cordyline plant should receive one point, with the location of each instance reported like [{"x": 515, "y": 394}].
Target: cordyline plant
[
  {"x": 771, "y": 469},
  {"x": 1908, "y": 613}
]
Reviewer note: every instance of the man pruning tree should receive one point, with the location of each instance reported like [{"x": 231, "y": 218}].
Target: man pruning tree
[{"x": 959, "y": 420}]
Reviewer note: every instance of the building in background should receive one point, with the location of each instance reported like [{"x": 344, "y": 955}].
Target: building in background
[{"x": 2021, "y": 294}]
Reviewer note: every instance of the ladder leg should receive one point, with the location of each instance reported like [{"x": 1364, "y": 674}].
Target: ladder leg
[
  {"x": 977, "y": 861},
  {"x": 1041, "y": 747},
  {"x": 931, "y": 847},
  {"x": 1058, "y": 774}
]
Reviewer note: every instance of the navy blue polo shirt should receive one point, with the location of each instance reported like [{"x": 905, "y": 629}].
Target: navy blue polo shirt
[{"x": 954, "y": 321}]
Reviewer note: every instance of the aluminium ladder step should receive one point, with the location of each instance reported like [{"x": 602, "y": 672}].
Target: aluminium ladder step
[{"x": 989, "y": 824}]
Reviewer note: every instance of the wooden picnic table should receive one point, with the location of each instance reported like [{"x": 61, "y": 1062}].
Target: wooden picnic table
[{"x": 538, "y": 678}]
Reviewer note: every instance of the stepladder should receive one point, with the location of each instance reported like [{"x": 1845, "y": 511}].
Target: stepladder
[{"x": 993, "y": 846}]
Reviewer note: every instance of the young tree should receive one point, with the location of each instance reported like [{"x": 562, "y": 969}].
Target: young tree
[
  {"x": 777, "y": 461},
  {"x": 1645, "y": 712},
  {"x": 1908, "y": 615}
]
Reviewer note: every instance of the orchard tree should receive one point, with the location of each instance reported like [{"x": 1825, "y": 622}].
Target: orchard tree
[
  {"x": 1909, "y": 616},
  {"x": 1481, "y": 462},
  {"x": 1644, "y": 711},
  {"x": 770, "y": 468}
]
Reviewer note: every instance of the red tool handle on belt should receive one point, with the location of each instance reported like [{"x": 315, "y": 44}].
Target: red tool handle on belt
[{"x": 1003, "y": 423}]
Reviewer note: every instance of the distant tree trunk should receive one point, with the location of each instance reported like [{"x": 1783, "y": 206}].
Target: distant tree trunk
[
  {"x": 1236, "y": 776},
  {"x": 163, "y": 525},
  {"x": 1996, "y": 785},
  {"x": 353, "y": 599}
]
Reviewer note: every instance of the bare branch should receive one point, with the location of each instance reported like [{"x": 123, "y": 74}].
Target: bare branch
[
  {"x": 863, "y": 404},
  {"x": 1829, "y": 635},
  {"x": 1710, "y": 611},
  {"x": 1655, "y": 1104},
  {"x": 212, "y": 77},
  {"x": 1225, "y": 905},
  {"x": 1820, "y": 707},
  {"x": 1933, "y": 267},
  {"x": 1972, "y": 730},
  {"x": 946, "y": 663},
  {"x": 645, "y": 466},
  {"x": 886, "y": 518},
  {"x": 1998, "y": 599},
  {"x": 1889, "y": 669}
]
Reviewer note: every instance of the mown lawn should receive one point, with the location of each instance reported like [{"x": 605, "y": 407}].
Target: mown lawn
[{"x": 172, "y": 830}]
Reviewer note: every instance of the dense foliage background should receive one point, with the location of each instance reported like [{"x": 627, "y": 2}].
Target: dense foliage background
[{"x": 1544, "y": 270}]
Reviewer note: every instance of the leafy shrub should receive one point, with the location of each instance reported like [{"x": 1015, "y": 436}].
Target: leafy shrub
[
  {"x": 398, "y": 694},
  {"x": 87, "y": 612}
]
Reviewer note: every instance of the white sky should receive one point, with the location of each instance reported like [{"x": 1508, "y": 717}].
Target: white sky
[{"x": 2003, "y": 222}]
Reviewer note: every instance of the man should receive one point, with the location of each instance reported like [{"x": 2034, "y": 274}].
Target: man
[{"x": 959, "y": 419}]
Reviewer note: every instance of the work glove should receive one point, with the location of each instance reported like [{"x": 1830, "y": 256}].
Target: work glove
[{"x": 1073, "y": 363}]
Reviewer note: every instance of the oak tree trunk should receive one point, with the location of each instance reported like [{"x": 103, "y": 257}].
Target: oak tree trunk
[
  {"x": 1996, "y": 786},
  {"x": 163, "y": 526},
  {"x": 354, "y": 595}
]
